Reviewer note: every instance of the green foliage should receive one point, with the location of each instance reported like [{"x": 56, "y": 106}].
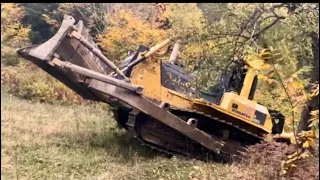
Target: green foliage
[
  {"x": 9, "y": 56},
  {"x": 314, "y": 121},
  {"x": 276, "y": 88},
  {"x": 37, "y": 16},
  {"x": 213, "y": 37},
  {"x": 29, "y": 82},
  {"x": 92, "y": 14}
]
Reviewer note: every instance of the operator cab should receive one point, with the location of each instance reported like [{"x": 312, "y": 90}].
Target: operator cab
[
  {"x": 176, "y": 78},
  {"x": 231, "y": 80}
]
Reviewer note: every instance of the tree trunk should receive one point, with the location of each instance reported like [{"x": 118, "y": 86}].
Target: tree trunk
[{"x": 313, "y": 103}]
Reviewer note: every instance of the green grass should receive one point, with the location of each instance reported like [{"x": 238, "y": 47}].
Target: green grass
[{"x": 44, "y": 141}]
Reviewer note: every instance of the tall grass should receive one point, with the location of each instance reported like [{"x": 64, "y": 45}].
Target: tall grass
[
  {"x": 47, "y": 141},
  {"x": 44, "y": 141}
]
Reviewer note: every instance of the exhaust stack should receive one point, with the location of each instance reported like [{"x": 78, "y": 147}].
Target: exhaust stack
[{"x": 175, "y": 51}]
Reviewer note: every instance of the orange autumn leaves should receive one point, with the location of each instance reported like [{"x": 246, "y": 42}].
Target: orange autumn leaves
[{"x": 126, "y": 31}]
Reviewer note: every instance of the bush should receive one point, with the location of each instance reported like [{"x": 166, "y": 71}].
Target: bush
[
  {"x": 30, "y": 82},
  {"x": 9, "y": 56},
  {"x": 263, "y": 161}
]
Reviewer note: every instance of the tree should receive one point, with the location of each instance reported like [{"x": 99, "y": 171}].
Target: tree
[
  {"x": 313, "y": 102},
  {"x": 147, "y": 24},
  {"x": 11, "y": 28},
  {"x": 36, "y": 14},
  {"x": 13, "y": 33},
  {"x": 92, "y": 14},
  {"x": 125, "y": 32}
]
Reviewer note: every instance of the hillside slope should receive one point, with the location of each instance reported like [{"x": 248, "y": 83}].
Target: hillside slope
[
  {"x": 52, "y": 141},
  {"x": 43, "y": 141}
]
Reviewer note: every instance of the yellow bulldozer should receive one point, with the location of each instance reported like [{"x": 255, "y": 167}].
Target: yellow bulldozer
[{"x": 150, "y": 97}]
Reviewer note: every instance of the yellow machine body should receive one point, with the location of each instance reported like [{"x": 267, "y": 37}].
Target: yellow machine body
[{"x": 148, "y": 74}]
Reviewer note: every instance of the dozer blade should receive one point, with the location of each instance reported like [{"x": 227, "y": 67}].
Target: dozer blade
[{"x": 70, "y": 50}]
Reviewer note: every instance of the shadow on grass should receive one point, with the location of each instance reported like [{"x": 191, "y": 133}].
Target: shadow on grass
[
  {"x": 123, "y": 144},
  {"x": 115, "y": 142},
  {"x": 128, "y": 147}
]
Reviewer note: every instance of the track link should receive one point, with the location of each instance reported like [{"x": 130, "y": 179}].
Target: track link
[{"x": 224, "y": 155}]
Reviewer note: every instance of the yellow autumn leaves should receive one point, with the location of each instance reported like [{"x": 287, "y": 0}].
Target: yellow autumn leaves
[
  {"x": 11, "y": 15},
  {"x": 126, "y": 32},
  {"x": 127, "y": 29}
]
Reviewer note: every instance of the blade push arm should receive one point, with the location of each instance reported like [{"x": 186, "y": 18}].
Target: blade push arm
[{"x": 95, "y": 75}]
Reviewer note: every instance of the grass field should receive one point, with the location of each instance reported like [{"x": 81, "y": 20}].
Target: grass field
[
  {"x": 52, "y": 141},
  {"x": 44, "y": 141}
]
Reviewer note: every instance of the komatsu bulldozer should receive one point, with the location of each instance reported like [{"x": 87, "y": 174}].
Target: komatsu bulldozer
[{"x": 149, "y": 97}]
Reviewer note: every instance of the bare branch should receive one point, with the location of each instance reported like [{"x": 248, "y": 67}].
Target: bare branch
[{"x": 267, "y": 27}]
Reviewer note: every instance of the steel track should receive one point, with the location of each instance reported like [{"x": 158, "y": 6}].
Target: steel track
[{"x": 225, "y": 155}]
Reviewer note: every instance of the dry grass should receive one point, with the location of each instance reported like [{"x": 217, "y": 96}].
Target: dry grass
[{"x": 44, "y": 141}]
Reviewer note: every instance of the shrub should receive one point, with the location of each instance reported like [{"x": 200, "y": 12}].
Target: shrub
[
  {"x": 30, "y": 82},
  {"x": 9, "y": 56},
  {"x": 263, "y": 161}
]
